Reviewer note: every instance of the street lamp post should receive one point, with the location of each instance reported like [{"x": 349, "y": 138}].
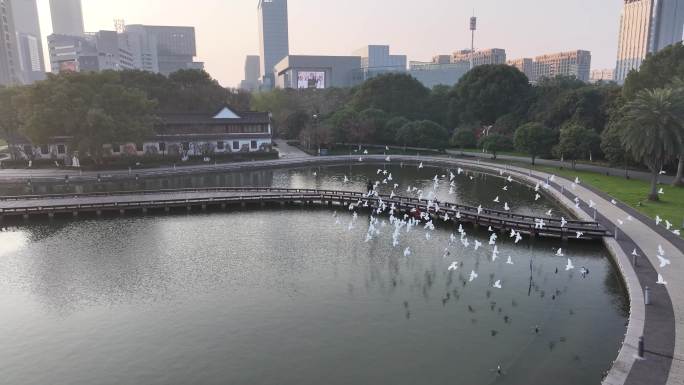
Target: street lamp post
[{"x": 315, "y": 129}]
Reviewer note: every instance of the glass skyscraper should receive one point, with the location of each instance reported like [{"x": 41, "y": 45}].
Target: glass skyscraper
[
  {"x": 647, "y": 26},
  {"x": 67, "y": 17},
  {"x": 273, "y": 37}
]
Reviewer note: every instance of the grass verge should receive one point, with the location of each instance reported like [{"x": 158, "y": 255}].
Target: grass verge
[{"x": 633, "y": 193}]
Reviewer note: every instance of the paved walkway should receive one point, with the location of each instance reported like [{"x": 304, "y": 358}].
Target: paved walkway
[
  {"x": 641, "y": 175},
  {"x": 287, "y": 151}
]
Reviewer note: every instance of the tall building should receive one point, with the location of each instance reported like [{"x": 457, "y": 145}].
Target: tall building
[
  {"x": 646, "y": 26},
  {"x": 376, "y": 60},
  {"x": 439, "y": 71},
  {"x": 526, "y": 66},
  {"x": 158, "y": 49},
  {"x": 67, "y": 17},
  {"x": 604, "y": 75},
  {"x": 480, "y": 57},
  {"x": 143, "y": 47},
  {"x": 252, "y": 72},
  {"x": 99, "y": 51},
  {"x": 273, "y": 37},
  {"x": 176, "y": 47},
  {"x": 9, "y": 54},
  {"x": 571, "y": 63},
  {"x": 29, "y": 41}
]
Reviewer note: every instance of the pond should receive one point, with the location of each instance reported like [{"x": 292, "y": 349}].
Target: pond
[{"x": 302, "y": 296}]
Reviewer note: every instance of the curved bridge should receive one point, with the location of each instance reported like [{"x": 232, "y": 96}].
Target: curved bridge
[{"x": 188, "y": 199}]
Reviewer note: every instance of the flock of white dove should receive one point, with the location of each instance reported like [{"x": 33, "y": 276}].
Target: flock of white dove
[{"x": 407, "y": 222}]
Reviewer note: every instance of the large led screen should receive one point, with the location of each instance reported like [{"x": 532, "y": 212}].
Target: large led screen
[{"x": 310, "y": 79}]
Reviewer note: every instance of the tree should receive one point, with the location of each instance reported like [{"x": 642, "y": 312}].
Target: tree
[
  {"x": 345, "y": 125},
  {"x": 678, "y": 86},
  {"x": 437, "y": 106},
  {"x": 392, "y": 128},
  {"x": 534, "y": 139},
  {"x": 463, "y": 138},
  {"x": 657, "y": 71},
  {"x": 10, "y": 120},
  {"x": 488, "y": 92},
  {"x": 372, "y": 123},
  {"x": 396, "y": 94},
  {"x": 295, "y": 123},
  {"x": 575, "y": 142},
  {"x": 654, "y": 130},
  {"x": 494, "y": 143},
  {"x": 92, "y": 109},
  {"x": 424, "y": 134}
]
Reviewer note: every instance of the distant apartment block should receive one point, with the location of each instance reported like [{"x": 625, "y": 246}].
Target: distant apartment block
[
  {"x": 526, "y": 66},
  {"x": 252, "y": 73},
  {"x": 273, "y": 38},
  {"x": 175, "y": 46},
  {"x": 602, "y": 75},
  {"x": 646, "y": 26},
  {"x": 158, "y": 49},
  {"x": 67, "y": 17},
  {"x": 377, "y": 60},
  {"x": 571, "y": 63},
  {"x": 480, "y": 57},
  {"x": 437, "y": 72}
]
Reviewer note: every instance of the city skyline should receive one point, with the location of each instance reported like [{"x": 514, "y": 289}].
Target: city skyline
[{"x": 335, "y": 29}]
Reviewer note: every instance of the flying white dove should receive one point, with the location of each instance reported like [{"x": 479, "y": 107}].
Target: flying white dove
[
  {"x": 496, "y": 200},
  {"x": 420, "y": 165},
  {"x": 549, "y": 213},
  {"x": 509, "y": 261},
  {"x": 569, "y": 266},
  {"x": 497, "y": 284},
  {"x": 663, "y": 261},
  {"x": 473, "y": 276},
  {"x": 346, "y": 180},
  {"x": 407, "y": 252},
  {"x": 537, "y": 197},
  {"x": 559, "y": 253},
  {"x": 661, "y": 191},
  {"x": 506, "y": 207},
  {"x": 478, "y": 244},
  {"x": 453, "y": 266},
  {"x": 658, "y": 220}
]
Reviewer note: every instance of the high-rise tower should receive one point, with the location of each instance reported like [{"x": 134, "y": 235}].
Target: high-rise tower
[
  {"x": 9, "y": 54},
  {"x": 273, "y": 37},
  {"x": 646, "y": 26},
  {"x": 67, "y": 17},
  {"x": 29, "y": 40}
]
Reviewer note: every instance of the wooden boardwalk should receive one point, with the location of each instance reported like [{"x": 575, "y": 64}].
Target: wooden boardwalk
[{"x": 192, "y": 199}]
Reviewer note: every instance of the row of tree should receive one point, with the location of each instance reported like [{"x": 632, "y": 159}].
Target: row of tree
[
  {"x": 494, "y": 108},
  {"x": 92, "y": 109}
]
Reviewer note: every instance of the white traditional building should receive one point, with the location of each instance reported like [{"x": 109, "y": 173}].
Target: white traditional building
[{"x": 176, "y": 134}]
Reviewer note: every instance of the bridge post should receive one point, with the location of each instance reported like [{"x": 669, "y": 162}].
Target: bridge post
[
  {"x": 51, "y": 215},
  {"x": 188, "y": 208},
  {"x": 26, "y": 217}
]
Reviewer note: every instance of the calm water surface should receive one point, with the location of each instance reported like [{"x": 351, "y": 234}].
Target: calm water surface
[{"x": 296, "y": 296}]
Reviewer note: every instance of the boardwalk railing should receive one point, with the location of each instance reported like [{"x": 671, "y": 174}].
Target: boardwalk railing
[{"x": 127, "y": 200}]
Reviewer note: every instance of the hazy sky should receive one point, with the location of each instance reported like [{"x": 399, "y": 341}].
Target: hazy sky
[{"x": 227, "y": 29}]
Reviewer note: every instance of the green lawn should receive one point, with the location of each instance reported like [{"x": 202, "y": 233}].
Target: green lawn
[
  {"x": 632, "y": 192},
  {"x": 3, "y": 142}
]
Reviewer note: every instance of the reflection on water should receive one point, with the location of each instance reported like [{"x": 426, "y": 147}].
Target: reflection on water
[
  {"x": 481, "y": 189},
  {"x": 296, "y": 296}
]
